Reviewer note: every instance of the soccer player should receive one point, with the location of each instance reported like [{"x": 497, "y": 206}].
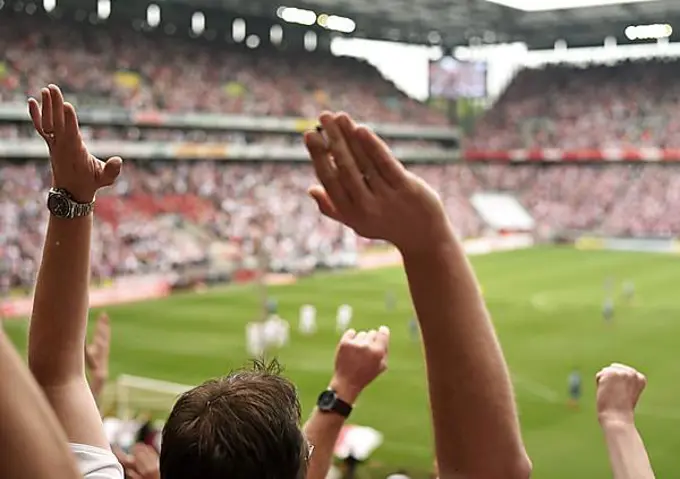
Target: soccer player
[
  {"x": 307, "y": 319},
  {"x": 608, "y": 310},
  {"x": 272, "y": 306},
  {"x": 575, "y": 388},
  {"x": 344, "y": 318}
]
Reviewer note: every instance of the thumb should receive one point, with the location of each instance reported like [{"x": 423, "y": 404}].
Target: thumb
[
  {"x": 112, "y": 169},
  {"x": 324, "y": 203}
]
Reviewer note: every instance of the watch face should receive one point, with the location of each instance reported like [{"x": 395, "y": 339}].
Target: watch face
[
  {"x": 59, "y": 205},
  {"x": 326, "y": 400}
]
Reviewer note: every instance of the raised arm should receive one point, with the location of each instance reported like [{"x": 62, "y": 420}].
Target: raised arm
[
  {"x": 474, "y": 414},
  {"x": 359, "y": 359},
  {"x": 60, "y": 309},
  {"x": 618, "y": 390},
  {"x": 97, "y": 356},
  {"x": 33, "y": 443}
]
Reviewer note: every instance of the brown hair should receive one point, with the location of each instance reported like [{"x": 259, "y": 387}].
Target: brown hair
[{"x": 242, "y": 426}]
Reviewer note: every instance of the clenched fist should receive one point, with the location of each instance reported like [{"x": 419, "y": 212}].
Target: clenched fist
[
  {"x": 361, "y": 357},
  {"x": 618, "y": 390}
]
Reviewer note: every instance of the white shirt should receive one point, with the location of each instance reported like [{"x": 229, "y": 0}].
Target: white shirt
[{"x": 96, "y": 463}]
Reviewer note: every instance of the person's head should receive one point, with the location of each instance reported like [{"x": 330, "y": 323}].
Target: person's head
[{"x": 242, "y": 426}]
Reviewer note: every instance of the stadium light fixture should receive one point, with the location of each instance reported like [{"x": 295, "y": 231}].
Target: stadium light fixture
[
  {"x": 296, "y": 15},
  {"x": 276, "y": 34},
  {"x": 253, "y": 41},
  {"x": 48, "y": 5},
  {"x": 310, "y": 41},
  {"x": 198, "y": 23},
  {"x": 648, "y": 32},
  {"x": 238, "y": 30},
  {"x": 104, "y": 9},
  {"x": 547, "y": 5},
  {"x": 153, "y": 15},
  {"x": 336, "y": 23}
]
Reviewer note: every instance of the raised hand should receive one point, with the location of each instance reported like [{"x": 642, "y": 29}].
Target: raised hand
[
  {"x": 73, "y": 167},
  {"x": 360, "y": 358},
  {"x": 618, "y": 390},
  {"x": 142, "y": 463},
  {"x": 365, "y": 187}
]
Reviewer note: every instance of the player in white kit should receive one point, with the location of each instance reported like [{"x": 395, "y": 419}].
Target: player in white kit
[
  {"x": 255, "y": 341},
  {"x": 344, "y": 318},
  {"x": 307, "y": 319}
]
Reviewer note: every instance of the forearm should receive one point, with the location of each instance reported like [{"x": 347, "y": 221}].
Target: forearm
[
  {"x": 97, "y": 385},
  {"x": 475, "y": 419},
  {"x": 322, "y": 431},
  {"x": 627, "y": 452},
  {"x": 60, "y": 307},
  {"x": 58, "y": 329},
  {"x": 33, "y": 444}
]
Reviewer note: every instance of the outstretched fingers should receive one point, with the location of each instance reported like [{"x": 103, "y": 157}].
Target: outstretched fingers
[
  {"x": 58, "y": 114},
  {"x": 389, "y": 168},
  {"x": 70, "y": 120},
  {"x": 371, "y": 175},
  {"x": 327, "y": 174},
  {"x": 349, "y": 173}
]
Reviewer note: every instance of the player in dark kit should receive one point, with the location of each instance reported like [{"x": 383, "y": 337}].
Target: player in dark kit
[
  {"x": 575, "y": 388},
  {"x": 272, "y": 306},
  {"x": 608, "y": 310}
]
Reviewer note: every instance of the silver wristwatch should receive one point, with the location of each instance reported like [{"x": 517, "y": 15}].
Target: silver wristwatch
[{"x": 62, "y": 205}]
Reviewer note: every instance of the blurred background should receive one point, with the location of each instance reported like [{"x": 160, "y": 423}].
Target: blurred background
[{"x": 550, "y": 128}]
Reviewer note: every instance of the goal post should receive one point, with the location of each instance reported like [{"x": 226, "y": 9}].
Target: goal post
[{"x": 133, "y": 394}]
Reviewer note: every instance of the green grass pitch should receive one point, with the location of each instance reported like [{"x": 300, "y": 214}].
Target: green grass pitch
[{"x": 546, "y": 305}]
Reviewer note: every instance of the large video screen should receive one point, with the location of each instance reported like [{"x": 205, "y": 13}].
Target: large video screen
[{"x": 453, "y": 79}]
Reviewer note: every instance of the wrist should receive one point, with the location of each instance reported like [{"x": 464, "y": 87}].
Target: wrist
[
  {"x": 616, "y": 421},
  {"x": 441, "y": 243},
  {"x": 345, "y": 390},
  {"x": 82, "y": 196}
]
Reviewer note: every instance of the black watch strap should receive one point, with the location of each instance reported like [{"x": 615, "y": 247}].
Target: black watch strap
[{"x": 330, "y": 402}]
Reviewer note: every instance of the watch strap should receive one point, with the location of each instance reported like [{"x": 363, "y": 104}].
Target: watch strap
[
  {"x": 341, "y": 407},
  {"x": 82, "y": 209}
]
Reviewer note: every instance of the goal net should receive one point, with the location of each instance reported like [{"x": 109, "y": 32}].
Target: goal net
[{"x": 132, "y": 395}]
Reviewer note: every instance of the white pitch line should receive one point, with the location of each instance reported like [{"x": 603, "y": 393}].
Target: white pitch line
[{"x": 536, "y": 388}]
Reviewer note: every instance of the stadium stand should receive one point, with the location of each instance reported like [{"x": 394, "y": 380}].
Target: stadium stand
[
  {"x": 628, "y": 105},
  {"x": 121, "y": 67}
]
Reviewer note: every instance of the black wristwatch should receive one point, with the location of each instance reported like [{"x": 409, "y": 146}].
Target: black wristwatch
[
  {"x": 62, "y": 205},
  {"x": 330, "y": 402}
]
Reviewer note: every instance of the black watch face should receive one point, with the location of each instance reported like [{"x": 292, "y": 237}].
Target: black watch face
[
  {"x": 59, "y": 206},
  {"x": 326, "y": 400}
]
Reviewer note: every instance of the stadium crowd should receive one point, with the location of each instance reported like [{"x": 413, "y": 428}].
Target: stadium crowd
[
  {"x": 631, "y": 104},
  {"x": 247, "y": 424},
  {"x": 149, "y": 221},
  {"x": 119, "y": 67}
]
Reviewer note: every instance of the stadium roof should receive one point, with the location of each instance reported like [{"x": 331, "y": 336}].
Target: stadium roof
[{"x": 458, "y": 22}]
